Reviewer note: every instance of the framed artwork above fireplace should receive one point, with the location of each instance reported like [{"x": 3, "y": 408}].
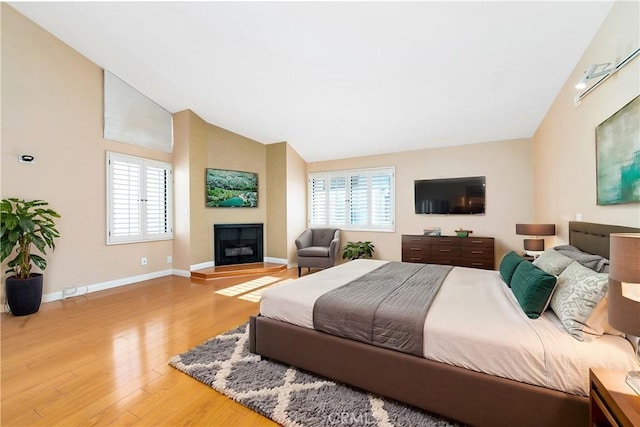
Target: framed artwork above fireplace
[{"x": 230, "y": 189}]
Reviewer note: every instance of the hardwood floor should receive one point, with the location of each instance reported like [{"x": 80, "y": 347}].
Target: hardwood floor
[{"x": 101, "y": 359}]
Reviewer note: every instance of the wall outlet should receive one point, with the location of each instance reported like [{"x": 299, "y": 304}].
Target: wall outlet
[
  {"x": 144, "y": 260},
  {"x": 169, "y": 259}
]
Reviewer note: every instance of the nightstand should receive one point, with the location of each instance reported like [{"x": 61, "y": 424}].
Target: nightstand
[{"x": 611, "y": 401}]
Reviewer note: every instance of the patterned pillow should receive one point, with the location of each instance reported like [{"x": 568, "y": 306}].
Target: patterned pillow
[
  {"x": 532, "y": 288},
  {"x": 552, "y": 261},
  {"x": 508, "y": 265},
  {"x": 579, "y": 291}
]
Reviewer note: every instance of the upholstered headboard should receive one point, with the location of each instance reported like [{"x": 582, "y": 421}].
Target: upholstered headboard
[{"x": 594, "y": 238}]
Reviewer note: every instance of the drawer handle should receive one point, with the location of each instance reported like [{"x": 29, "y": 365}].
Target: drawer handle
[
  {"x": 445, "y": 250},
  {"x": 477, "y": 252},
  {"x": 415, "y": 249},
  {"x": 415, "y": 259},
  {"x": 445, "y": 240},
  {"x": 476, "y": 241}
]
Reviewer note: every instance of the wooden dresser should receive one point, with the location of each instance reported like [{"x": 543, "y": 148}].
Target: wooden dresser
[{"x": 477, "y": 252}]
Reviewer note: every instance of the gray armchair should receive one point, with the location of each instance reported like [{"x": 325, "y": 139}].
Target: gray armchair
[{"x": 318, "y": 248}]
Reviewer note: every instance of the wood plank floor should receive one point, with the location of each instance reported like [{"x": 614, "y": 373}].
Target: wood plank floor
[{"x": 101, "y": 359}]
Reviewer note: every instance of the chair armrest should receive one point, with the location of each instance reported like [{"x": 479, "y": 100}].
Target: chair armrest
[
  {"x": 304, "y": 240},
  {"x": 334, "y": 248}
]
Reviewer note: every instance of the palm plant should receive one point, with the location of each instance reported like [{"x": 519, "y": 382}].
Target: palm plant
[
  {"x": 22, "y": 224},
  {"x": 356, "y": 250}
]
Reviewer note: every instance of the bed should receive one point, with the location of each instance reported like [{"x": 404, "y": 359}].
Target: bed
[{"x": 461, "y": 393}]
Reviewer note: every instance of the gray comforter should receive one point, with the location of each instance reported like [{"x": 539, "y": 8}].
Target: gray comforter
[{"x": 386, "y": 307}]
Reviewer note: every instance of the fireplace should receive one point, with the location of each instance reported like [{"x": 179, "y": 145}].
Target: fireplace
[{"x": 237, "y": 243}]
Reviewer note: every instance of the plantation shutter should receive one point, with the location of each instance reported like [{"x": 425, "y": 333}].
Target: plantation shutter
[
  {"x": 359, "y": 199},
  {"x": 158, "y": 186},
  {"x": 124, "y": 211},
  {"x": 337, "y": 200},
  {"x": 139, "y": 199},
  {"x": 381, "y": 199},
  {"x": 318, "y": 200}
]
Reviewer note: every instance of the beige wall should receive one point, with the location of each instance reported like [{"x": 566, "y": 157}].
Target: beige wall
[
  {"x": 296, "y": 201},
  {"x": 276, "y": 227},
  {"x": 52, "y": 108},
  {"x": 508, "y": 170},
  {"x": 181, "y": 191},
  {"x": 564, "y": 144},
  {"x": 209, "y": 146}
]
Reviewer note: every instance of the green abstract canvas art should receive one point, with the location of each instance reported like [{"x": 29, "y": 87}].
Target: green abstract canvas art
[{"x": 618, "y": 156}]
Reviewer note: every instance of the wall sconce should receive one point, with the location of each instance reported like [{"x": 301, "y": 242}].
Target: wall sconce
[
  {"x": 624, "y": 290},
  {"x": 604, "y": 71},
  {"x": 534, "y": 247},
  {"x": 592, "y": 72}
]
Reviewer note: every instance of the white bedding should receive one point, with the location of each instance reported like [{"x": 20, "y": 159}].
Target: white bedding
[{"x": 476, "y": 323}]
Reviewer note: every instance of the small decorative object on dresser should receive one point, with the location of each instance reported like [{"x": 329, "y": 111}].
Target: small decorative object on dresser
[
  {"x": 463, "y": 233},
  {"x": 476, "y": 252}
]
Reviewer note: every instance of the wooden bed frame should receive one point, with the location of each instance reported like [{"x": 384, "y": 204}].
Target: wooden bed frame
[{"x": 456, "y": 393}]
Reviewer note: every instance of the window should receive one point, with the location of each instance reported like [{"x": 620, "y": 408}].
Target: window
[
  {"x": 139, "y": 199},
  {"x": 356, "y": 200}
]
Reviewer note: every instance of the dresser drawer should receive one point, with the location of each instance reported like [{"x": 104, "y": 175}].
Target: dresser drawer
[
  {"x": 479, "y": 252},
  {"x": 476, "y": 242},
  {"x": 414, "y": 240},
  {"x": 445, "y": 241},
  {"x": 486, "y": 264},
  {"x": 445, "y": 251},
  {"x": 415, "y": 257}
]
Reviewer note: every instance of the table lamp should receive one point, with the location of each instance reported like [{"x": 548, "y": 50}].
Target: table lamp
[
  {"x": 624, "y": 290},
  {"x": 534, "y": 247}
]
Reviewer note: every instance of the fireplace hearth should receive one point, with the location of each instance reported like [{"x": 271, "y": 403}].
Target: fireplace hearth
[{"x": 237, "y": 243}]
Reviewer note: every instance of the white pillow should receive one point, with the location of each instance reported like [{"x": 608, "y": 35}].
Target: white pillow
[
  {"x": 552, "y": 262},
  {"x": 579, "y": 292}
]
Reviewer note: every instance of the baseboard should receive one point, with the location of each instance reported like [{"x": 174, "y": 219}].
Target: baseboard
[
  {"x": 58, "y": 295},
  {"x": 202, "y": 265},
  {"x": 276, "y": 260}
]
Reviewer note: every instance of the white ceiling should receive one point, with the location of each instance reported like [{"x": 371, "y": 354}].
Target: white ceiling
[{"x": 339, "y": 79}]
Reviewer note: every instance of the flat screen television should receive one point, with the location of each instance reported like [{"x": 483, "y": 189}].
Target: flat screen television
[
  {"x": 231, "y": 189},
  {"x": 463, "y": 196}
]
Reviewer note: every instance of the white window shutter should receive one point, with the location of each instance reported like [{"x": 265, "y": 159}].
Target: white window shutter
[
  {"x": 359, "y": 199},
  {"x": 318, "y": 200},
  {"x": 337, "y": 200},
  {"x": 139, "y": 199}
]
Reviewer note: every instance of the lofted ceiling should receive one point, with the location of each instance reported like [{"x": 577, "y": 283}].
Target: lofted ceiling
[{"x": 340, "y": 79}]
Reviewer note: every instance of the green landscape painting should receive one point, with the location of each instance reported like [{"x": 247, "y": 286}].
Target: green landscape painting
[
  {"x": 618, "y": 156},
  {"x": 231, "y": 189}
]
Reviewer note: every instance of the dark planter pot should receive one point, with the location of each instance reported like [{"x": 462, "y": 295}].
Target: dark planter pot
[{"x": 24, "y": 295}]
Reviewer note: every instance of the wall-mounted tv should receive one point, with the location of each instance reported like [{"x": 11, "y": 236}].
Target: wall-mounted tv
[
  {"x": 450, "y": 195},
  {"x": 231, "y": 189}
]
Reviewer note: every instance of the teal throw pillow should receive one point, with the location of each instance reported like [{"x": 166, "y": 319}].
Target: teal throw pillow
[
  {"x": 532, "y": 288},
  {"x": 508, "y": 266}
]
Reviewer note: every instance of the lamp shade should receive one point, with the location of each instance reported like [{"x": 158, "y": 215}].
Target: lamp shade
[
  {"x": 534, "y": 245},
  {"x": 624, "y": 257},
  {"x": 624, "y": 281},
  {"x": 536, "y": 229}
]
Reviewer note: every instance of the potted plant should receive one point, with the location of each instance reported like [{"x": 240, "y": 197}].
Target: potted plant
[
  {"x": 23, "y": 224},
  {"x": 356, "y": 250}
]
